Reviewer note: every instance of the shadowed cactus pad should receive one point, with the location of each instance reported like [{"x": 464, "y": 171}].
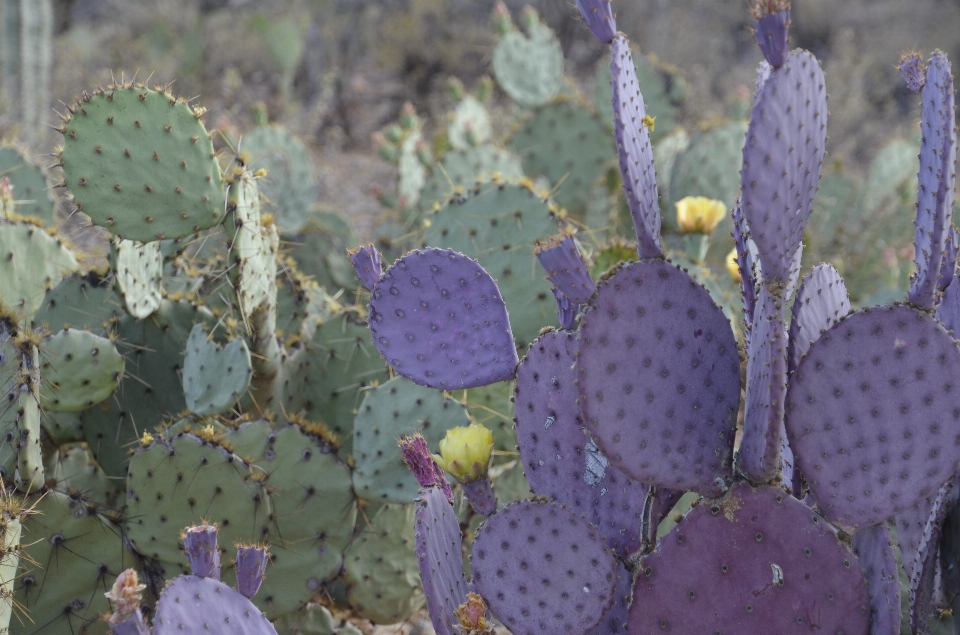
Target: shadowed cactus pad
[
  {"x": 874, "y": 547},
  {"x": 79, "y": 369},
  {"x": 214, "y": 377}
]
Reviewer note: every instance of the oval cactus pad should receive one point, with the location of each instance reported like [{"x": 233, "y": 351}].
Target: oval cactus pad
[
  {"x": 573, "y": 574},
  {"x": 659, "y": 378},
  {"x": 193, "y": 605},
  {"x": 438, "y": 318},
  {"x": 871, "y": 414},
  {"x": 764, "y": 563}
]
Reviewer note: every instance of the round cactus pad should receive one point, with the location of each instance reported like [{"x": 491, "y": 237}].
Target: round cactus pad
[
  {"x": 659, "y": 377},
  {"x": 559, "y": 458},
  {"x": 31, "y": 262},
  {"x": 438, "y": 318},
  {"x": 140, "y": 163},
  {"x": 79, "y": 369},
  {"x": 871, "y": 414},
  {"x": 439, "y": 547},
  {"x": 191, "y": 605},
  {"x": 543, "y": 569},
  {"x": 765, "y": 563}
]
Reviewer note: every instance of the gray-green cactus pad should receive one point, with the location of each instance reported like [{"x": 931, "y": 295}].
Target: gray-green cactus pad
[
  {"x": 253, "y": 261},
  {"x": 320, "y": 251},
  {"x": 289, "y": 186},
  {"x": 79, "y": 369},
  {"x": 314, "y": 620},
  {"x": 31, "y": 191},
  {"x": 76, "y": 473},
  {"x": 529, "y": 66},
  {"x": 139, "y": 271},
  {"x": 80, "y": 302},
  {"x": 469, "y": 124},
  {"x": 214, "y": 377},
  {"x": 31, "y": 262},
  {"x": 392, "y": 410},
  {"x": 463, "y": 168}
]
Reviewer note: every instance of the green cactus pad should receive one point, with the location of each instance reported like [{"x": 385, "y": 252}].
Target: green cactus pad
[
  {"x": 498, "y": 225},
  {"x": 253, "y": 261},
  {"x": 76, "y": 473},
  {"x": 324, "y": 379},
  {"x": 249, "y": 440},
  {"x": 463, "y": 168},
  {"x": 139, "y": 271},
  {"x": 469, "y": 124},
  {"x": 214, "y": 377},
  {"x": 529, "y": 67},
  {"x": 570, "y": 146},
  {"x": 177, "y": 483},
  {"x": 81, "y": 302},
  {"x": 72, "y": 555},
  {"x": 411, "y": 174},
  {"x": 314, "y": 620},
  {"x": 320, "y": 251},
  {"x": 31, "y": 191},
  {"x": 380, "y": 566},
  {"x": 390, "y": 411},
  {"x": 62, "y": 427},
  {"x": 154, "y": 350},
  {"x": 9, "y": 368},
  {"x": 299, "y": 300},
  {"x": 140, "y": 163},
  {"x": 79, "y": 370},
  {"x": 313, "y": 516},
  {"x": 31, "y": 262},
  {"x": 289, "y": 185}
]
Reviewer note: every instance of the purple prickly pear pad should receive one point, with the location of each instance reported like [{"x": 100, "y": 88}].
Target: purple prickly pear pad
[
  {"x": 631, "y": 125},
  {"x": 820, "y": 303},
  {"x": 765, "y": 563},
  {"x": 746, "y": 264},
  {"x": 782, "y": 160},
  {"x": 948, "y": 268},
  {"x": 659, "y": 378},
  {"x": 566, "y": 310},
  {"x": 438, "y": 548},
  {"x": 438, "y": 318},
  {"x": 923, "y": 577},
  {"x": 772, "y": 33},
  {"x": 615, "y": 619},
  {"x": 368, "y": 265},
  {"x": 875, "y": 552},
  {"x": 938, "y": 170},
  {"x": 417, "y": 456},
  {"x": 251, "y": 567},
  {"x": 543, "y": 569},
  {"x": 200, "y": 543},
  {"x": 948, "y": 311},
  {"x": 598, "y": 16},
  {"x": 913, "y": 71},
  {"x": 567, "y": 269},
  {"x": 200, "y": 606},
  {"x": 559, "y": 458},
  {"x": 872, "y": 414}
]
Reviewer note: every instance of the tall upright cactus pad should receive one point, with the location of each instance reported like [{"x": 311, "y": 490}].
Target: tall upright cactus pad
[
  {"x": 31, "y": 262},
  {"x": 12, "y": 515},
  {"x": 30, "y": 468},
  {"x": 253, "y": 262},
  {"x": 765, "y": 562},
  {"x": 598, "y": 16},
  {"x": 821, "y": 302},
  {"x": 139, "y": 272},
  {"x": 923, "y": 579},
  {"x": 439, "y": 547},
  {"x": 140, "y": 163},
  {"x": 214, "y": 377},
  {"x": 574, "y": 574},
  {"x": 438, "y": 319},
  {"x": 529, "y": 66},
  {"x": 937, "y": 176},
  {"x": 31, "y": 190},
  {"x": 79, "y": 370},
  {"x": 782, "y": 158},
  {"x": 632, "y": 128},
  {"x": 659, "y": 378},
  {"x": 869, "y": 414},
  {"x": 874, "y": 547},
  {"x": 559, "y": 458},
  {"x": 290, "y": 184}
]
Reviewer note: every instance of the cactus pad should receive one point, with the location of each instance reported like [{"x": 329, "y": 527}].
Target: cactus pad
[
  {"x": 560, "y": 460},
  {"x": 79, "y": 369},
  {"x": 290, "y": 184},
  {"x": 574, "y": 576},
  {"x": 529, "y": 66},
  {"x": 140, "y": 163},
  {"x": 567, "y": 270},
  {"x": 438, "y": 319},
  {"x": 31, "y": 191},
  {"x": 254, "y": 261},
  {"x": 31, "y": 262},
  {"x": 463, "y": 168},
  {"x": 598, "y": 16},
  {"x": 659, "y": 377},
  {"x": 439, "y": 547},
  {"x": 782, "y": 160},
  {"x": 614, "y": 621},
  {"x": 191, "y": 605},
  {"x": 80, "y": 302},
  {"x": 821, "y": 302},
  {"x": 765, "y": 563},
  {"x": 923, "y": 578},
  {"x": 870, "y": 414},
  {"x": 139, "y": 271},
  {"x": 875, "y": 552},
  {"x": 214, "y": 377}
]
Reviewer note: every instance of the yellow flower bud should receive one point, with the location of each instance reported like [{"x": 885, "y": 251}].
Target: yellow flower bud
[
  {"x": 699, "y": 214},
  {"x": 465, "y": 452},
  {"x": 732, "y": 266}
]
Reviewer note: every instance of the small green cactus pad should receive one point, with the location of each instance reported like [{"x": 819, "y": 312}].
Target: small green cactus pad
[
  {"x": 31, "y": 191},
  {"x": 313, "y": 513},
  {"x": 253, "y": 262},
  {"x": 463, "y": 168},
  {"x": 290, "y": 185},
  {"x": 214, "y": 377},
  {"x": 79, "y": 369},
  {"x": 320, "y": 251},
  {"x": 324, "y": 379},
  {"x": 80, "y": 301},
  {"x": 529, "y": 66},
  {"x": 570, "y": 146},
  {"x": 177, "y": 483},
  {"x": 299, "y": 300},
  {"x": 392, "y": 410},
  {"x": 140, "y": 163},
  {"x": 154, "y": 349},
  {"x": 498, "y": 225},
  {"x": 62, "y": 427},
  {"x": 139, "y": 271},
  {"x": 76, "y": 473},
  {"x": 411, "y": 173},
  {"x": 469, "y": 124},
  {"x": 380, "y": 566},
  {"x": 492, "y": 406},
  {"x": 31, "y": 262},
  {"x": 314, "y": 620},
  {"x": 72, "y": 554}
]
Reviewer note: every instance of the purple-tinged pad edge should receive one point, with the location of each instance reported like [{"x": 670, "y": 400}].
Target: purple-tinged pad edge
[
  {"x": 368, "y": 265},
  {"x": 922, "y": 587},
  {"x": 438, "y": 549},
  {"x": 874, "y": 549},
  {"x": 821, "y": 302},
  {"x": 566, "y": 269}
]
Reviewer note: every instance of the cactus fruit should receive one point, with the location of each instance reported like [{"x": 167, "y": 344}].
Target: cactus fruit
[
  {"x": 567, "y": 269},
  {"x": 366, "y": 261}
]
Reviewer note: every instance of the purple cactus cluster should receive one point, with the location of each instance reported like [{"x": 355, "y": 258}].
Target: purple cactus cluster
[{"x": 850, "y": 418}]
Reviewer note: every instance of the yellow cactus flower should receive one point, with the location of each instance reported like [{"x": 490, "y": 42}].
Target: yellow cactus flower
[
  {"x": 732, "y": 266},
  {"x": 465, "y": 452},
  {"x": 699, "y": 214}
]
